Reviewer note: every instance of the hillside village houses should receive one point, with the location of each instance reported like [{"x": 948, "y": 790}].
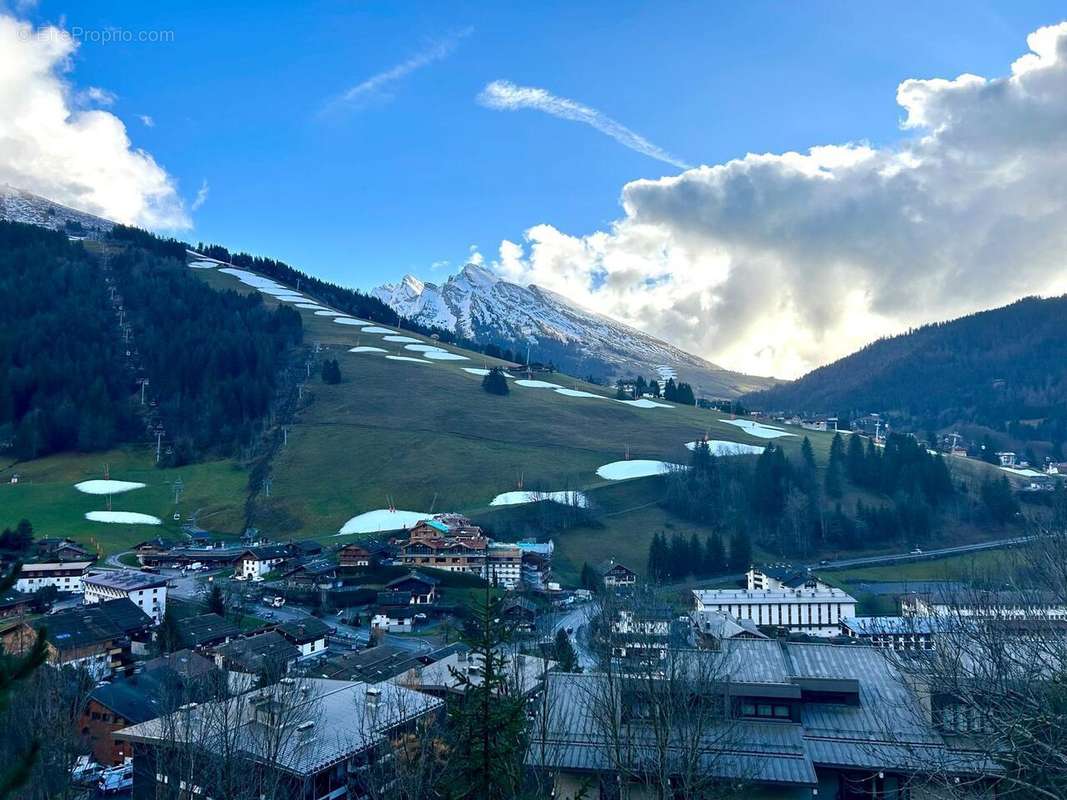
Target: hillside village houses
[
  {"x": 452, "y": 543},
  {"x": 65, "y": 576},
  {"x": 146, "y": 591}
]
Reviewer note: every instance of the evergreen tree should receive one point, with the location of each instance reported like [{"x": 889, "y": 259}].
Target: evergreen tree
[
  {"x": 998, "y": 499},
  {"x": 487, "y": 730},
  {"x": 495, "y": 383},
  {"x": 563, "y": 652},
  {"x": 740, "y": 551},
  {"x": 215, "y": 602},
  {"x": 331, "y": 371},
  {"x": 591, "y": 579},
  {"x": 835, "y": 467},
  {"x": 168, "y": 636},
  {"x": 855, "y": 461},
  {"x": 659, "y": 567},
  {"x": 807, "y": 455},
  {"x": 714, "y": 555}
]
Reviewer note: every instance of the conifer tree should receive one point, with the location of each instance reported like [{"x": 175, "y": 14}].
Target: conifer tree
[
  {"x": 835, "y": 467},
  {"x": 495, "y": 383}
]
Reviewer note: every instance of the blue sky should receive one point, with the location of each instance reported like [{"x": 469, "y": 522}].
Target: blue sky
[
  {"x": 420, "y": 171},
  {"x": 770, "y": 186}
]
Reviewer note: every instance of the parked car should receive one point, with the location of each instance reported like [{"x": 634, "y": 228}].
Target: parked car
[
  {"x": 116, "y": 780},
  {"x": 918, "y": 551},
  {"x": 85, "y": 772}
]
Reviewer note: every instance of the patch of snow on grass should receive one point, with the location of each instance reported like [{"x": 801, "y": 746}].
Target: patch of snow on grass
[
  {"x": 420, "y": 348},
  {"x": 312, "y": 306},
  {"x": 537, "y": 384},
  {"x": 123, "y": 517},
  {"x": 644, "y": 402},
  {"x": 366, "y": 349},
  {"x": 203, "y": 264},
  {"x": 483, "y": 372},
  {"x": 575, "y": 499},
  {"x": 408, "y": 358},
  {"x": 717, "y": 447},
  {"x": 400, "y": 339},
  {"x": 107, "y": 487},
  {"x": 1024, "y": 473},
  {"x": 757, "y": 429},
  {"x": 444, "y": 355},
  {"x": 579, "y": 393},
  {"x": 378, "y": 329},
  {"x": 349, "y": 321},
  {"x": 325, "y": 313},
  {"x": 382, "y": 519},
  {"x": 638, "y": 468}
]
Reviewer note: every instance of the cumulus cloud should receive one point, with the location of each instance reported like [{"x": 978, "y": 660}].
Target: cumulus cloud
[
  {"x": 81, "y": 157},
  {"x": 376, "y": 86},
  {"x": 776, "y": 263},
  {"x": 507, "y": 96}
]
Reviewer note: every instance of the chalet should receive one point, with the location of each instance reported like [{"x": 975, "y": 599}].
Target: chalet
[
  {"x": 421, "y": 588},
  {"x": 311, "y": 636},
  {"x": 395, "y": 612},
  {"x": 53, "y": 549},
  {"x": 260, "y": 654},
  {"x": 710, "y": 628},
  {"x": 799, "y": 720},
  {"x": 319, "y": 574},
  {"x": 115, "y": 705},
  {"x": 453, "y": 673},
  {"x": 354, "y": 555},
  {"x": 617, "y": 576},
  {"x": 348, "y": 727},
  {"x": 536, "y": 571},
  {"x": 66, "y": 576},
  {"x": 14, "y": 604},
  {"x": 255, "y": 562},
  {"x": 519, "y": 612},
  {"x": 206, "y": 631},
  {"x": 305, "y": 548},
  {"x": 148, "y": 592},
  {"x": 96, "y": 637},
  {"x": 153, "y": 548},
  {"x": 644, "y": 634}
]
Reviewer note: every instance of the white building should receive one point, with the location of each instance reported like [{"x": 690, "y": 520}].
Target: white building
[
  {"x": 66, "y": 576},
  {"x": 147, "y": 592},
  {"x": 817, "y": 612},
  {"x": 780, "y": 578},
  {"x": 255, "y": 562}
]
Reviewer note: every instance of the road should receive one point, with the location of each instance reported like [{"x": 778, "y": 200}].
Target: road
[
  {"x": 941, "y": 552},
  {"x": 578, "y": 619}
]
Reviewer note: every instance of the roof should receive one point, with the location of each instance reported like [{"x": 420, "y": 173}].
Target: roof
[
  {"x": 263, "y": 650},
  {"x": 524, "y": 673},
  {"x": 44, "y": 566},
  {"x": 413, "y": 576},
  {"x": 720, "y": 625},
  {"x": 604, "y": 567},
  {"x": 380, "y": 663},
  {"x": 394, "y": 599},
  {"x": 135, "y": 699},
  {"x": 307, "y": 546},
  {"x": 126, "y": 615},
  {"x": 267, "y": 552},
  {"x": 881, "y": 626},
  {"x": 770, "y": 596},
  {"x": 346, "y": 718},
  {"x": 302, "y": 631},
  {"x": 206, "y": 629},
  {"x": 183, "y": 663},
  {"x": 80, "y": 627},
  {"x": 125, "y": 580},
  {"x": 436, "y": 525}
]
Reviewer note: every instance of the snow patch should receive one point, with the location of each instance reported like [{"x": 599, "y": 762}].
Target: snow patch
[
  {"x": 366, "y": 349},
  {"x": 483, "y": 372},
  {"x": 644, "y": 402},
  {"x": 717, "y": 447},
  {"x": 382, "y": 519},
  {"x": 107, "y": 487},
  {"x": 575, "y": 499},
  {"x": 349, "y": 321},
  {"x": 400, "y": 339},
  {"x": 123, "y": 518},
  {"x": 378, "y": 329},
  {"x": 757, "y": 429},
  {"x": 408, "y": 358},
  {"x": 325, "y": 312},
  {"x": 537, "y": 384},
  {"x": 312, "y": 307},
  {"x": 421, "y": 348},
  {"x": 579, "y": 393},
  {"x": 203, "y": 264},
  {"x": 444, "y": 355},
  {"x": 639, "y": 468}
]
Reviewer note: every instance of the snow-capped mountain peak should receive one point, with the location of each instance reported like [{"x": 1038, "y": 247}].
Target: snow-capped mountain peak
[{"x": 478, "y": 304}]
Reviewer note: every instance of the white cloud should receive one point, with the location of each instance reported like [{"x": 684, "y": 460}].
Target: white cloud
[
  {"x": 360, "y": 94},
  {"x": 475, "y": 257},
  {"x": 507, "y": 96},
  {"x": 79, "y": 157},
  {"x": 94, "y": 95},
  {"x": 146, "y": 120},
  {"x": 776, "y": 263},
  {"x": 201, "y": 195}
]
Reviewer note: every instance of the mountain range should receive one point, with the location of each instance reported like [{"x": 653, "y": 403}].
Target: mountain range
[{"x": 478, "y": 305}]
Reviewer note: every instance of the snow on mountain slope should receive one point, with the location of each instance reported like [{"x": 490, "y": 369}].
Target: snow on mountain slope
[
  {"x": 19, "y": 206},
  {"x": 477, "y": 304}
]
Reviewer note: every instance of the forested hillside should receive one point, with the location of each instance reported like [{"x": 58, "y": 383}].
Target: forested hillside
[
  {"x": 69, "y": 371},
  {"x": 1004, "y": 369}
]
